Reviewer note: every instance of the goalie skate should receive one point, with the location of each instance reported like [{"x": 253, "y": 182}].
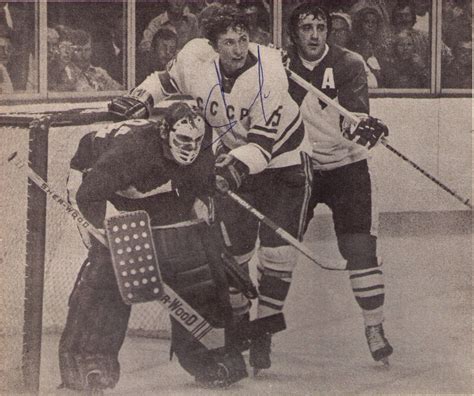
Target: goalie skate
[
  {"x": 134, "y": 257},
  {"x": 378, "y": 345}
]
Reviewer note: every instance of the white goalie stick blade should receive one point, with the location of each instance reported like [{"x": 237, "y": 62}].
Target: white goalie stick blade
[
  {"x": 187, "y": 316},
  {"x": 134, "y": 257}
]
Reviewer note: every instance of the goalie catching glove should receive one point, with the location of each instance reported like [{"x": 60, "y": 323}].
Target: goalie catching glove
[
  {"x": 137, "y": 104},
  {"x": 230, "y": 172},
  {"x": 368, "y": 132}
]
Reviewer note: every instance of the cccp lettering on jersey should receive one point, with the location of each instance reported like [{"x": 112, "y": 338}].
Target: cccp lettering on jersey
[{"x": 213, "y": 108}]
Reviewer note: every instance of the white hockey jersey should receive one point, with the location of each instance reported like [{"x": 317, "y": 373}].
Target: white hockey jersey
[{"x": 254, "y": 116}]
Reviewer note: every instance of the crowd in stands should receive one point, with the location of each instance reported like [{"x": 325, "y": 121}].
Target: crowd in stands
[
  {"x": 394, "y": 38},
  {"x": 86, "y": 43},
  {"x": 164, "y": 34}
]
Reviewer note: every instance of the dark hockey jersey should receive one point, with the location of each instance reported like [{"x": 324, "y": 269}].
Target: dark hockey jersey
[
  {"x": 341, "y": 75},
  {"x": 124, "y": 164}
]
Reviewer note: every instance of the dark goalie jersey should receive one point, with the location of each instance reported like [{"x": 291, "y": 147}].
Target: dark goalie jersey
[{"x": 124, "y": 165}]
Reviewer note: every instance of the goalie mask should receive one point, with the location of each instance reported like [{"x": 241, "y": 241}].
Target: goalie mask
[{"x": 186, "y": 133}]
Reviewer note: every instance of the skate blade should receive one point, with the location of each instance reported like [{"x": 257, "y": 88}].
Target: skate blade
[{"x": 385, "y": 362}]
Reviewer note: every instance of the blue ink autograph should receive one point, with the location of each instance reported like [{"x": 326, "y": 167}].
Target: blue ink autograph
[{"x": 260, "y": 95}]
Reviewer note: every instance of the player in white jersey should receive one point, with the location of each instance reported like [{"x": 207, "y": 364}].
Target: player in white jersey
[
  {"x": 242, "y": 90},
  {"x": 343, "y": 177}
]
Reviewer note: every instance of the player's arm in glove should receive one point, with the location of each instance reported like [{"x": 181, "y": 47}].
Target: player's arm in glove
[
  {"x": 137, "y": 104},
  {"x": 368, "y": 132},
  {"x": 230, "y": 172}
]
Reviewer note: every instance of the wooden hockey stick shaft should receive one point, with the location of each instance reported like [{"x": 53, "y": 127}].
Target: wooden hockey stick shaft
[
  {"x": 355, "y": 120},
  {"x": 339, "y": 265},
  {"x": 201, "y": 329}
]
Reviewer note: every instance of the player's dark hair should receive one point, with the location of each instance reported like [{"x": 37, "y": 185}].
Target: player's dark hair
[
  {"x": 221, "y": 19},
  {"x": 315, "y": 8},
  {"x": 178, "y": 110}
]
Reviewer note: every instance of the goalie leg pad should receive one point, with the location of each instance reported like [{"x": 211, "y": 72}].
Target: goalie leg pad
[
  {"x": 95, "y": 327},
  {"x": 190, "y": 262}
]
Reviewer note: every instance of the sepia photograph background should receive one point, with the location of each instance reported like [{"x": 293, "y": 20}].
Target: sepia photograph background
[{"x": 420, "y": 80}]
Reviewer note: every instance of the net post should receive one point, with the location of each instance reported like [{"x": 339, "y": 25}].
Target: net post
[{"x": 35, "y": 256}]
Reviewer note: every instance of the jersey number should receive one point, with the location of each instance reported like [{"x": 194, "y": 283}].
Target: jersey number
[{"x": 275, "y": 118}]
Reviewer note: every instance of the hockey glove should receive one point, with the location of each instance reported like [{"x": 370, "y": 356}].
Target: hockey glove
[
  {"x": 230, "y": 173},
  {"x": 137, "y": 104},
  {"x": 368, "y": 132}
]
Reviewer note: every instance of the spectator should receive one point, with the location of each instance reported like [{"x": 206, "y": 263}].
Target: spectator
[
  {"x": 19, "y": 17},
  {"x": 341, "y": 30},
  {"x": 60, "y": 50},
  {"x": 404, "y": 18},
  {"x": 65, "y": 44},
  {"x": 380, "y": 5},
  {"x": 456, "y": 20},
  {"x": 256, "y": 33},
  {"x": 206, "y": 13},
  {"x": 164, "y": 47},
  {"x": 185, "y": 25},
  {"x": 408, "y": 70},
  {"x": 108, "y": 50},
  {"x": 79, "y": 75},
  {"x": 372, "y": 40},
  {"x": 54, "y": 64},
  {"x": 422, "y": 11},
  {"x": 196, "y": 6},
  {"x": 5, "y": 51},
  {"x": 459, "y": 73}
]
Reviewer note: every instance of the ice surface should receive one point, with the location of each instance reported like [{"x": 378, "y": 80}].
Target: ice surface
[{"x": 428, "y": 321}]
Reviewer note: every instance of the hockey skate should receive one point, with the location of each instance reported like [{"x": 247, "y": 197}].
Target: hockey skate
[
  {"x": 229, "y": 369},
  {"x": 260, "y": 349},
  {"x": 95, "y": 385},
  {"x": 378, "y": 345},
  {"x": 240, "y": 337}
]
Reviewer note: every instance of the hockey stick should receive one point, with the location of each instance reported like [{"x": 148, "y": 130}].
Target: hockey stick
[
  {"x": 340, "y": 265},
  {"x": 190, "y": 319},
  {"x": 354, "y": 119}
]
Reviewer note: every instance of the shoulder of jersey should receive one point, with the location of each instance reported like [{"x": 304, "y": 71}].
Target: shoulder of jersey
[
  {"x": 197, "y": 51},
  {"x": 347, "y": 57},
  {"x": 272, "y": 66}
]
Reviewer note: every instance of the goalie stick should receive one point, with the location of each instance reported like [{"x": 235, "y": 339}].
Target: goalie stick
[
  {"x": 200, "y": 328},
  {"x": 355, "y": 120},
  {"x": 340, "y": 265}
]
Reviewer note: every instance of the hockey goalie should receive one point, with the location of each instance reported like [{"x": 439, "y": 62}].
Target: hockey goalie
[{"x": 159, "y": 166}]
